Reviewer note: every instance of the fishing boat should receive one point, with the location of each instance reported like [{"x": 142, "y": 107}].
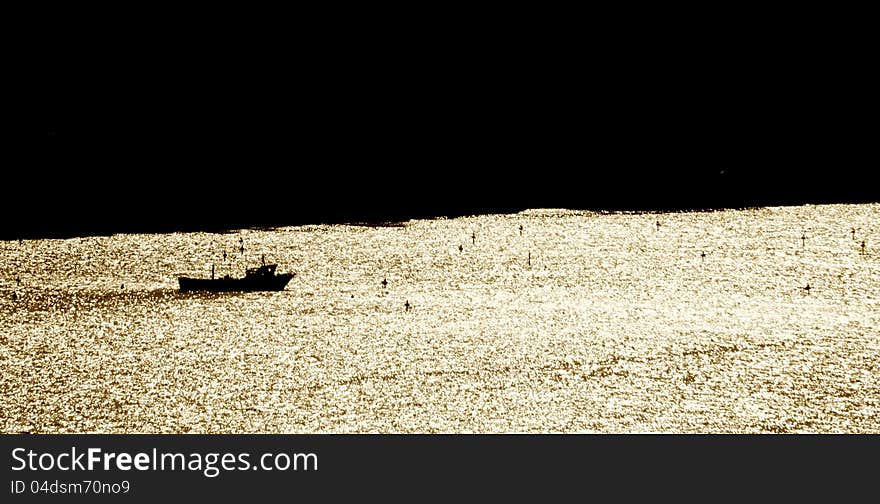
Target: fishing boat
[{"x": 262, "y": 278}]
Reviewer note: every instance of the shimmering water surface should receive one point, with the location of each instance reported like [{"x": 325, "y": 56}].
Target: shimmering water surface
[{"x": 617, "y": 325}]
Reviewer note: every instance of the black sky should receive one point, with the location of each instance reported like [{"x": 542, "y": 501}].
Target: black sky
[{"x": 436, "y": 119}]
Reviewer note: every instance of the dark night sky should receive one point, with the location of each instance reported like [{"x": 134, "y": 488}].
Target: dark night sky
[{"x": 416, "y": 121}]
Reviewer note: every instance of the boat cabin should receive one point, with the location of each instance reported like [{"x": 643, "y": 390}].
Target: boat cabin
[{"x": 264, "y": 270}]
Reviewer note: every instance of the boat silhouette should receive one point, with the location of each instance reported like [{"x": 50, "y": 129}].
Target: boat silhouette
[{"x": 262, "y": 278}]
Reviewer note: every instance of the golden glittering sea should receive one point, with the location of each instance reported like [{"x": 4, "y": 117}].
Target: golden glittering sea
[{"x": 579, "y": 322}]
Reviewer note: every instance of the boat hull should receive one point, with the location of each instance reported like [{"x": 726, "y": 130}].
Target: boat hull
[{"x": 247, "y": 284}]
